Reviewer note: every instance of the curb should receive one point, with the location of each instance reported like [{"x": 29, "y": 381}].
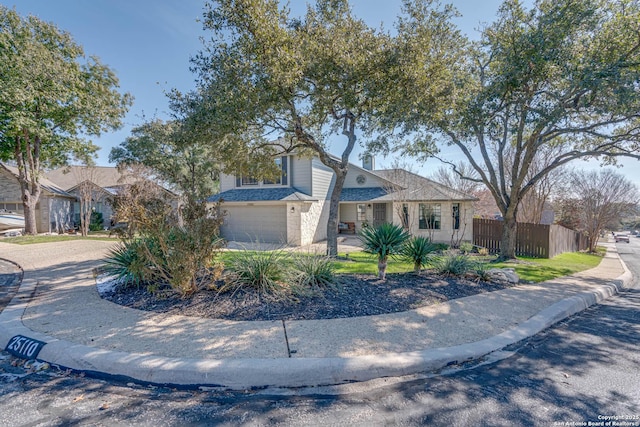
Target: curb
[{"x": 242, "y": 374}]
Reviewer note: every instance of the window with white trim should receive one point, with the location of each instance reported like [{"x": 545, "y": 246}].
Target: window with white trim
[
  {"x": 430, "y": 216},
  {"x": 282, "y": 180}
]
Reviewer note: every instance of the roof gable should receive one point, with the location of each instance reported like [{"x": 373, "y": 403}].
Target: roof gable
[
  {"x": 103, "y": 176},
  {"x": 414, "y": 187},
  {"x": 46, "y": 185}
]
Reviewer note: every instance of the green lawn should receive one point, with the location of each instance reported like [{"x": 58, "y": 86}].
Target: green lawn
[
  {"x": 364, "y": 263},
  {"x": 528, "y": 269},
  {"x": 540, "y": 269},
  {"x": 27, "y": 240}
]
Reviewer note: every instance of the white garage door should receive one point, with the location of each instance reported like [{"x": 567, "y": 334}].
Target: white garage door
[{"x": 266, "y": 224}]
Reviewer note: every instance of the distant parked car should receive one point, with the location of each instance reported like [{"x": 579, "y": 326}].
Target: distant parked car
[{"x": 621, "y": 237}]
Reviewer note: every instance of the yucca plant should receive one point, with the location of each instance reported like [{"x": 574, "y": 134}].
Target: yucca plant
[
  {"x": 384, "y": 241},
  {"x": 418, "y": 250},
  {"x": 128, "y": 263}
]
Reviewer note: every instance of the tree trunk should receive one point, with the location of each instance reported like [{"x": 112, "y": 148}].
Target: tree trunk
[
  {"x": 30, "y": 226},
  {"x": 28, "y": 178},
  {"x": 334, "y": 207},
  {"x": 382, "y": 268},
  {"x": 509, "y": 234}
]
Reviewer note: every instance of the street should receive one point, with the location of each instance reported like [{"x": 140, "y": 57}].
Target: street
[{"x": 583, "y": 370}]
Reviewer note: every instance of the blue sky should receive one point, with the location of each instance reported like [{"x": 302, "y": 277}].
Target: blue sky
[{"x": 149, "y": 42}]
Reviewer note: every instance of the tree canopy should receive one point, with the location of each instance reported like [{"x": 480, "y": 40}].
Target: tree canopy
[
  {"x": 290, "y": 84},
  {"x": 561, "y": 78},
  {"x": 52, "y": 98},
  {"x": 597, "y": 200}
]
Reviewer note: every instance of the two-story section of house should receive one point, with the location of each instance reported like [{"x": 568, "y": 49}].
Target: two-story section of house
[{"x": 294, "y": 209}]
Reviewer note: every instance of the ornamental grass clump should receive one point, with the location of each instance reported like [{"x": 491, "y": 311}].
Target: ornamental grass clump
[
  {"x": 312, "y": 273},
  {"x": 418, "y": 250},
  {"x": 454, "y": 263},
  {"x": 384, "y": 241},
  {"x": 265, "y": 271}
]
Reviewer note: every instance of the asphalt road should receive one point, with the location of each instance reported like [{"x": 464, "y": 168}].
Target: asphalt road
[{"x": 578, "y": 372}]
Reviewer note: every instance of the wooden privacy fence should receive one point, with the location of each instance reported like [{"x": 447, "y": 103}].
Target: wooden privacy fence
[{"x": 535, "y": 240}]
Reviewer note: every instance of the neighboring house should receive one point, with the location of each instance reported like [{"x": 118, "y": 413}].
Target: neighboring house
[
  {"x": 99, "y": 182},
  {"x": 54, "y": 210},
  {"x": 294, "y": 209}
]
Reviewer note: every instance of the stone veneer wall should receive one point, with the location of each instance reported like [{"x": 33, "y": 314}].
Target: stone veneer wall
[{"x": 313, "y": 222}]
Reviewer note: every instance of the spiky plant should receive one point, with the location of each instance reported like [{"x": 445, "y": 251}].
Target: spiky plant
[
  {"x": 384, "y": 241},
  {"x": 418, "y": 250},
  {"x": 127, "y": 263}
]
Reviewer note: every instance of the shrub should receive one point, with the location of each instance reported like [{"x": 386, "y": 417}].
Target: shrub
[
  {"x": 418, "y": 250},
  {"x": 313, "y": 271},
  {"x": 466, "y": 247},
  {"x": 185, "y": 254},
  {"x": 261, "y": 270},
  {"x": 384, "y": 241},
  {"x": 177, "y": 250},
  {"x": 453, "y": 263},
  {"x": 96, "y": 223}
]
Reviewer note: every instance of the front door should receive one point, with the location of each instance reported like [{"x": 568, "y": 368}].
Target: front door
[{"x": 379, "y": 214}]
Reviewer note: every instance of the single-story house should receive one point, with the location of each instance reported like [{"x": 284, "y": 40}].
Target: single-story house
[
  {"x": 294, "y": 209},
  {"x": 102, "y": 182},
  {"x": 54, "y": 210}
]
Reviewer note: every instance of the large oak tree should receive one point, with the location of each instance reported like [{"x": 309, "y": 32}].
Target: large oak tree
[
  {"x": 52, "y": 97},
  {"x": 561, "y": 78}
]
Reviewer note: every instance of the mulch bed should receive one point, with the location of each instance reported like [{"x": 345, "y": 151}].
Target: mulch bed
[{"x": 357, "y": 295}]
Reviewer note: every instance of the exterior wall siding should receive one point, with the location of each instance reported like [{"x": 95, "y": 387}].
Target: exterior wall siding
[
  {"x": 371, "y": 180},
  {"x": 443, "y": 235},
  {"x": 322, "y": 179},
  {"x": 227, "y": 182},
  {"x": 301, "y": 174}
]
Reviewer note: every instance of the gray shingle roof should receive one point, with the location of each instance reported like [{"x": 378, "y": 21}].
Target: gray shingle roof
[
  {"x": 285, "y": 194},
  {"x": 362, "y": 194},
  {"x": 103, "y": 176},
  {"x": 417, "y": 188}
]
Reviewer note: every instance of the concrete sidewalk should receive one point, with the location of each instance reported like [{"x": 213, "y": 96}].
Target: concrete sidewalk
[{"x": 58, "y": 304}]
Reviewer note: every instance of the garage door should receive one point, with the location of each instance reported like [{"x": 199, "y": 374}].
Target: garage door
[{"x": 266, "y": 224}]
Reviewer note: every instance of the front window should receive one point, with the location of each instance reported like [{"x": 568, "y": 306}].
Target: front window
[
  {"x": 277, "y": 181},
  {"x": 247, "y": 180},
  {"x": 455, "y": 213},
  {"x": 362, "y": 212},
  {"x": 430, "y": 216},
  {"x": 282, "y": 164}
]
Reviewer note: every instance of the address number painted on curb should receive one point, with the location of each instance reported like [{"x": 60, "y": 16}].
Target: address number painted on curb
[{"x": 24, "y": 347}]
